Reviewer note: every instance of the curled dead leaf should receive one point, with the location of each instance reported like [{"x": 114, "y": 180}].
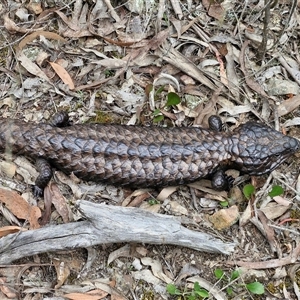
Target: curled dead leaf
[
  {"x": 62, "y": 271},
  {"x": 29, "y": 38}
]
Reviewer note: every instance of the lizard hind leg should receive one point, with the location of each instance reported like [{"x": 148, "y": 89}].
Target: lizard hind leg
[{"x": 44, "y": 177}]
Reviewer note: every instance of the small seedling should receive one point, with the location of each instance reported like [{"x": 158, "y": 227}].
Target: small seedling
[
  {"x": 196, "y": 293},
  {"x": 277, "y": 190},
  {"x": 256, "y": 288},
  {"x": 172, "y": 99},
  {"x": 248, "y": 190},
  {"x": 153, "y": 201}
]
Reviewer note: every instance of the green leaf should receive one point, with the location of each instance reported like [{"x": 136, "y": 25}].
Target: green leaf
[
  {"x": 219, "y": 273},
  {"x": 202, "y": 293},
  {"x": 224, "y": 203},
  {"x": 229, "y": 290},
  {"x": 255, "y": 288},
  {"x": 153, "y": 201},
  {"x": 198, "y": 290},
  {"x": 156, "y": 112},
  {"x": 248, "y": 190},
  {"x": 173, "y": 99},
  {"x": 159, "y": 90},
  {"x": 197, "y": 286},
  {"x": 158, "y": 118},
  {"x": 235, "y": 274},
  {"x": 173, "y": 290},
  {"x": 277, "y": 190}
]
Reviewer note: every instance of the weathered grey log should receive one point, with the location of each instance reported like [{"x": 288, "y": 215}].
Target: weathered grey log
[{"x": 108, "y": 224}]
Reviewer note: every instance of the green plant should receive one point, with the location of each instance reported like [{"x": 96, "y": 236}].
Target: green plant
[
  {"x": 255, "y": 287},
  {"x": 224, "y": 203},
  {"x": 248, "y": 190},
  {"x": 196, "y": 293},
  {"x": 277, "y": 190},
  {"x": 229, "y": 283},
  {"x": 172, "y": 99},
  {"x": 153, "y": 201}
]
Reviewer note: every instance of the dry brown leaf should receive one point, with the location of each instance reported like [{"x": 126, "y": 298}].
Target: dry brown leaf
[
  {"x": 78, "y": 25},
  {"x": 168, "y": 114},
  {"x": 31, "y": 67},
  {"x": 35, "y": 214},
  {"x": 166, "y": 192},
  {"x": 9, "y": 230},
  {"x": 177, "y": 59},
  {"x": 177, "y": 8},
  {"x": 246, "y": 215},
  {"x": 62, "y": 272},
  {"x": 70, "y": 24},
  {"x": 4, "y": 287},
  {"x": 282, "y": 201},
  {"x": 11, "y": 26},
  {"x": 98, "y": 292},
  {"x": 213, "y": 290},
  {"x": 80, "y": 296},
  {"x": 136, "y": 193},
  {"x": 29, "y": 38},
  {"x": 124, "y": 251},
  {"x": 156, "y": 268},
  {"x": 59, "y": 202},
  {"x": 104, "y": 284},
  {"x": 187, "y": 270},
  {"x": 202, "y": 185},
  {"x": 47, "y": 202},
  {"x": 117, "y": 296},
  {"x": 138, "y": 200},
  {"x": 20, "y": 208},
  {"x": 63, "y": 74},
  {"x": 256, "y": 87},
  {"x": 271, "y": 263},
  {"x": 177, "y": 209},
  {"x": 274, "y": 210},
  {"x": 233, "y": 79},
  {"x": 106, "y": 28},
  {"x": 164, "y": 79},
  {"x": 112, "y": 11},
  {"x": 214, "y": 9},
  {"x": 152, "y": 44},
  {"x": 267, "y": 230},
  {"x": 288, "y": 106},
  {"x": 294, "y": 72}
]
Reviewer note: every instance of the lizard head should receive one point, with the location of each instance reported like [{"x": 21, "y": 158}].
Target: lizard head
[{"x": 258, "y": 149}]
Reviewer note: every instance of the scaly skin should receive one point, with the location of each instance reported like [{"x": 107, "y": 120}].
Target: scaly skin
[{"x": 147, "y": 156}]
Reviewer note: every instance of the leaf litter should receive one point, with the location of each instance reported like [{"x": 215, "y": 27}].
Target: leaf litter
[{"x": 97, "y": 58}]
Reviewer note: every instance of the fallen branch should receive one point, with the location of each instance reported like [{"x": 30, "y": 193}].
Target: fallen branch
[{"x": 108, "y": 224}]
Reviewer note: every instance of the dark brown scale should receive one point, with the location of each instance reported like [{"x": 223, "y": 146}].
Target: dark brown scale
[{"x": 147, "y": 156}]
